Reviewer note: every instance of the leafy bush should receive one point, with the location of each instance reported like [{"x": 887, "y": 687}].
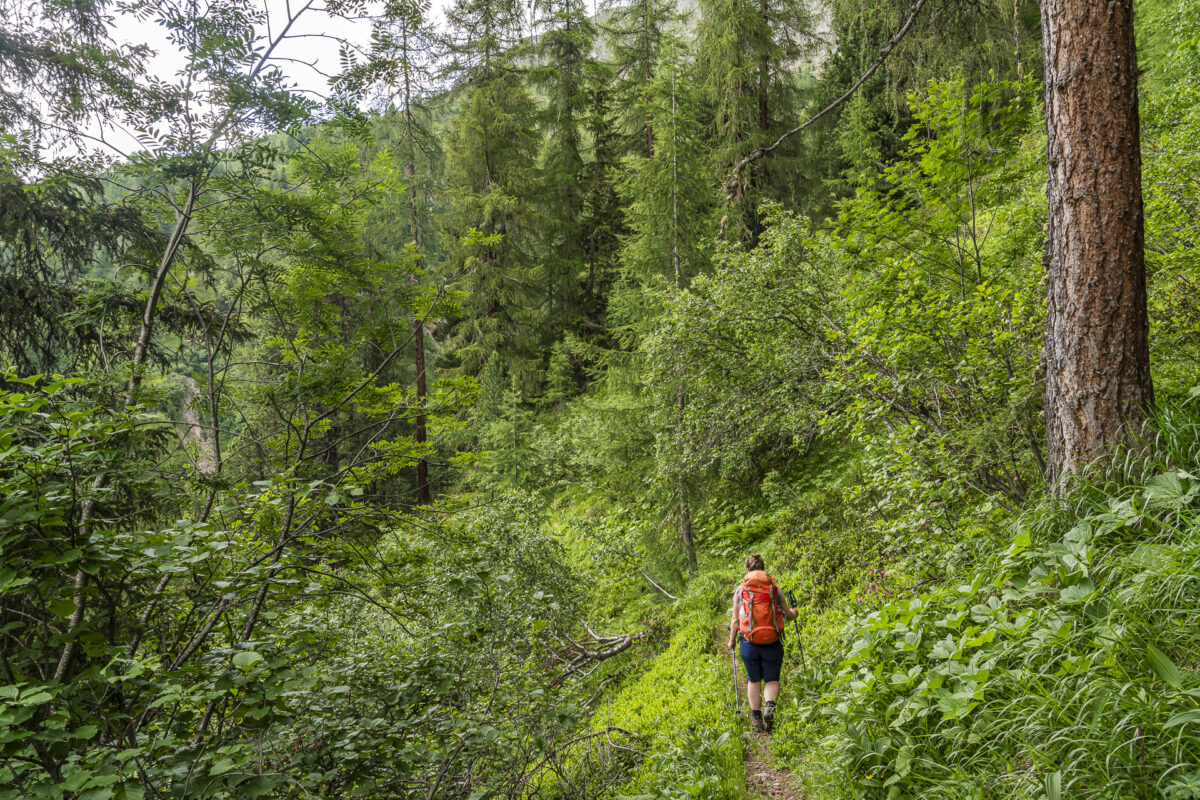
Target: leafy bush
[{"x": 1065, "y": 667}]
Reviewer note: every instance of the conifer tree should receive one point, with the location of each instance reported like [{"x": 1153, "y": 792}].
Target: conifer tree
[
  {"x": 415, "y": 41},
  {"x": 490, "y": 221},
  {"x": 603, "y": 221},
  {"x": 1098, "y": 382},
  {"x": 747, "y": 55},
  {"x": 406, "y": 49},
  {"x": 634, "y": 34},
  {"x": 565, "y": 51},
  {"x": 670, "y": 198}
]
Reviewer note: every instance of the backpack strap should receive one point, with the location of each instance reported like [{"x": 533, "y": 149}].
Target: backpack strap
[{"x": 775, "y": 609}]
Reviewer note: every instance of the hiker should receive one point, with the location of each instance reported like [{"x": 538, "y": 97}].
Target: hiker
[{"x": 759, "y": 613}]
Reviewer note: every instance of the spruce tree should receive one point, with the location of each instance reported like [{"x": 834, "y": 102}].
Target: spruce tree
[
  {"x": 490, "y": 219},
  {"x": 747, "y": 56},
  {"x": 565, "y": 52},
  {"x": 634, "y": 33},
  {"x": 603, "y": 221}
]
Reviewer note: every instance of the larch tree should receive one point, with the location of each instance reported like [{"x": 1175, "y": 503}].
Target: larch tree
[
  {"x": 670, "y": 206},
  {"x": 402, "y": 70},
  {"x": 669, "y": 198},
  {"x": 1098, "y": 385},
  {"x": 412, "y": 45}
]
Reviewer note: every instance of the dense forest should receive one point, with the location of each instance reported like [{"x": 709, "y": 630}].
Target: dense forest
[{"x": 406, "y": 438}]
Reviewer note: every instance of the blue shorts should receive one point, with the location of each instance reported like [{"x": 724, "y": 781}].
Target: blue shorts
[{"x": 763, "y": 661}]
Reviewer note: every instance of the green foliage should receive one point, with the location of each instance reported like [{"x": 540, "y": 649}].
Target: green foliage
[
  {"x": 745, "y": 57},
  {"x": 566, "y": 48},
  {"x": 944, "y": 322},
  {"x": 681, "y": 705},
  {"x": 340, "y": 663},
  {"x": 1056, "y": 663},
  {"x": 214, "y": 581},
  {"x": 1171, "y": 120},
  {"x": 897, "y": 331},
  {"x": 983, "y": 41},
  {"x": 746, "y": 343},
  {"x": 695, "y": 767},
  {"x": 636, "y": 32},
  {"x": 53, "y": 231},
  {"x": 669, "y": 196},
  {"x": 739, "y": 536}
]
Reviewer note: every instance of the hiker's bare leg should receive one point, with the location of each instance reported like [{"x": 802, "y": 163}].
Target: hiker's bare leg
[
  {"x": 753, "y": 691},
  {"x": 772, "y": 691}
]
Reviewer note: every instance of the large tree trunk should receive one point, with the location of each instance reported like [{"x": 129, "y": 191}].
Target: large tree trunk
[{"x": 1098, "y": 385}]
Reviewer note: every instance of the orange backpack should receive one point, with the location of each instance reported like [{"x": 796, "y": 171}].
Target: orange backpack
[{"x": 761, "y": 621}]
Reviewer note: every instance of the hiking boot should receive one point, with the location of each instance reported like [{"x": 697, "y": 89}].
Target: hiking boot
[
  {"x": 769, "y": 716},
  {"x": 756, "y": 718}
]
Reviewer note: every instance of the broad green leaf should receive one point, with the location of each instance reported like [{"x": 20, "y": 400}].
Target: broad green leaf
[
  {"x": 1164, "y": 667},
  {"x": 36, "y": 699},
  {"x": 1189, "y": 717},
  {"x": 904, "y": 761},
  {"x": 1054, "y": 785},
  {"x": 63, "y": 607},
  {"x": 1078, "y": 592},
  {"x": 246, "y": 658},
  {"x": 1168, "y": 490},
  {"x": 221, "y": 767}
]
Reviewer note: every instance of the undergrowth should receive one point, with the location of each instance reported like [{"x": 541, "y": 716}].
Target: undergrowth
[
  {"x": 1066, "y": 665},
  {"x": 679, "y": 708}
]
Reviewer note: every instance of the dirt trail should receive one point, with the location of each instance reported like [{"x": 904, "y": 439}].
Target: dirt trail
[{"x": 763, "y": 778}]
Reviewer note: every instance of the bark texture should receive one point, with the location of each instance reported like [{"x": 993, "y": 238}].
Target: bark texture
[{"x": 1098, "y": 386}]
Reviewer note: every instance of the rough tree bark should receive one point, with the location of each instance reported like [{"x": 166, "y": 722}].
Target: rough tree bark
[{"x": 1098, "y": 386}]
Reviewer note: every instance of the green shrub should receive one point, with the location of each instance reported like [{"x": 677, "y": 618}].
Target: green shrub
[{"x": 1066, "y": 667}]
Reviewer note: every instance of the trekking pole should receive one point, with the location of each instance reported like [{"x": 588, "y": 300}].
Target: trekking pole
[
  {"x": 791, "y": 598},
  {"x": 737, "y": 696}
]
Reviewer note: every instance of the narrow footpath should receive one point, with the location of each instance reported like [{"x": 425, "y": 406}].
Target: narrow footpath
[{"x": 763, "y": 778}]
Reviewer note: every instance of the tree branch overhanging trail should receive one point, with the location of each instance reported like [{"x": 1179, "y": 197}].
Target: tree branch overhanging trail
[{"x": 755, "y": 155}]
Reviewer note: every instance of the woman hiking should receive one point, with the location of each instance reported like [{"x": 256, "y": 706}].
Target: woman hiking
[{"x": 759, "y": 613}]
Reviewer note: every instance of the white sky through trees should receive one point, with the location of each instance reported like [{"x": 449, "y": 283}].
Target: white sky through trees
[{"x": 308, "y": 58}]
